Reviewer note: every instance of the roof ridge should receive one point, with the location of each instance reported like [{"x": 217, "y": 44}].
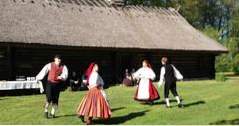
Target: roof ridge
[{"x": 100, "y": 3}]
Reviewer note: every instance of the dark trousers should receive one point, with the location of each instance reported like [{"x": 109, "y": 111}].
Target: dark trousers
[
  {"x": 52, "y": 92},
  {"x": 170, "y": 86},
  {"x": 73, "y": 85}
]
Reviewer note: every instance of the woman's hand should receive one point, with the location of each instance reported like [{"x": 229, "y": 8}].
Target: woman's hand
[{"x": 84, "y": 81}]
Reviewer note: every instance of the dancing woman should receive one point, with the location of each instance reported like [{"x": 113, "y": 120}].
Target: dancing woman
[
  {"x": 94, "y": 103},
  {"x": 145, "y": 91}
]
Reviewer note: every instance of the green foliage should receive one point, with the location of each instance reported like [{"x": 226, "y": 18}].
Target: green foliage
[
  {"x": 223, "y": 63},
  {"x": 211, "y": 32},
  {"x": 220, "y": 77},
  {"x": 235, "y": 25},
  {"x": 235, "y": 64},
  {"x": 233, "y": 45},
  {"x": 189, "y": 9},
  {"x": 219, "y": 19}
]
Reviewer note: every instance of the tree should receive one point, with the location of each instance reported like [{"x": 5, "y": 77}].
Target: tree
[{"x": 219, "y": 19}]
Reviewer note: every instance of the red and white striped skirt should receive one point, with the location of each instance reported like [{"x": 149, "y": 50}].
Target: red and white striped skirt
[{"x": 94, "y": 105}]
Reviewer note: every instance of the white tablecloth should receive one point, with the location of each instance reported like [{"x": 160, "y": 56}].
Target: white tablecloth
[{"x": 12, "y": 85}]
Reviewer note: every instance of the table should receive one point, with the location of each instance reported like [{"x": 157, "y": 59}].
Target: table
[{"x": 13, "y": 85}]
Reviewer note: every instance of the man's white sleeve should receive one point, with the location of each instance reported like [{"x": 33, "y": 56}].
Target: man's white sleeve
[
  {"x": 162, "y": 73},
  {"x": 64, "y": 74},
  {"x": 43, "y": 72},
  {"x": 177, "y": 74}
]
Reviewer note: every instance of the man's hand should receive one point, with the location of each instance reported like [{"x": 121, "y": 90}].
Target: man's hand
[
  {"x": 41, "y": 90},
  {"x": 41, "y": 86},
  {"x": 59, "y": 78}
]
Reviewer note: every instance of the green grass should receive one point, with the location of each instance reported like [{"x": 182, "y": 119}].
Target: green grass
[{"x": 206, "y": 102}]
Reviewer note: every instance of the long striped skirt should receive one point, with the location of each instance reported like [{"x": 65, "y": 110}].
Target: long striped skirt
[{"x": 94, "y": 105}]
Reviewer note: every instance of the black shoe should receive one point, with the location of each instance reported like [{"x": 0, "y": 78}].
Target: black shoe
[
  {"x": 180, "y": 105},
  {"x": 82, "y": 118},
  {"x": 53, "y": 116},
  {"x": 167, "y": 106},
  {"x": 150, "y": 103},
  {"x": 46, "y": 115}
]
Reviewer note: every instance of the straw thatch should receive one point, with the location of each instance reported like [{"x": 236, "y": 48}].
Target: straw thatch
[{"x": 95, "y": 23}]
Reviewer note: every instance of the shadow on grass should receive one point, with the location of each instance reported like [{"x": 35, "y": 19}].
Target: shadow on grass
[
  {"x": 65, "y": 115},
  {"x": 20, "y": 92},
  {"x": 234, "y": 106},
  {"x": 119, "y": 108},
  {"x": 3, "y": 98},
  {"x": 163, "y": 102},
  {"x": 121, "y": 119},
  {"x": 114, "y": 109},
  {"x": 194, "y": 103},
  {"x": 226, "y": 122}
]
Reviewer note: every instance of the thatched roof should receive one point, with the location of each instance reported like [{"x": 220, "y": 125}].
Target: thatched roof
[{"x": 95, "y": 23}]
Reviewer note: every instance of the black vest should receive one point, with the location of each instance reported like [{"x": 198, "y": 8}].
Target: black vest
[{"x": 169, "y": 73}]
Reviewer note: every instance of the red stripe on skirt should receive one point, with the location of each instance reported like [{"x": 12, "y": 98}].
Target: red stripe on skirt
[
  {"x": 94, "y": 105},
  {"x": 153, "y": 93}
]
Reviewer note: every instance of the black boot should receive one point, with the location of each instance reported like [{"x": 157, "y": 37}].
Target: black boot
[
  {"x": 180, "y": 105},
  {"x": 53, "y": 115},
  {"x": 46, "y": 115},
  {"x": 82, "y": 118},
  {"x": 167, "y": 106}
]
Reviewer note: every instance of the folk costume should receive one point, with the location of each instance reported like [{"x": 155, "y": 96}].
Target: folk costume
[
  {"x": 170, "y": 75},
  {"x": 53, "y": 84},
  {"x": 94, "y": 103},
  {"x": 145, "y": 90}
]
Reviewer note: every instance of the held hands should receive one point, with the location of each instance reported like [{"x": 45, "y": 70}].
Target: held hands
[
  {"x": 159, "y": 84},
  {"x": 41, "y": 90},
  {"x": 59, "y": 78},
  {"x": 40, "y": 86},
  {"x": 84, "y": 81}
]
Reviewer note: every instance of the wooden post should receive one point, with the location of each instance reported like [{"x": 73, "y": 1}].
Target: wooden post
[{"x": 10, "y": 57}]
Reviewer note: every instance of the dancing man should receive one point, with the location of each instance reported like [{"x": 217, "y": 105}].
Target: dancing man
[
  {"x": 170, "y": 75},
  {"x": 57, "y": 74}
]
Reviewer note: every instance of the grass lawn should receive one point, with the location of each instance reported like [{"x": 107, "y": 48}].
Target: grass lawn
[{"x": 206, "y": 102}]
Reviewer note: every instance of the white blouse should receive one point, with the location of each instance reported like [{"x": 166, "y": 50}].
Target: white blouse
[
  {"x": 144, "y": 72},
  {"x": 47, "y": 68},
  {"x": 95, "y": 80}
]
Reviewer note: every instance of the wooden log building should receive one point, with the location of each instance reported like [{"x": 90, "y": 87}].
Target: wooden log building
[{"x": 117, "y": 37}]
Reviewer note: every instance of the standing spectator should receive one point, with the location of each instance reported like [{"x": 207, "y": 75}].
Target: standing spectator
[
  {"x": 128, "y": 80},
  {"x": 74, "y": 81}
]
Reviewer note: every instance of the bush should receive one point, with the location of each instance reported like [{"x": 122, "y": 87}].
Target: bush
[
  {"x": 236, "y": 64},
  {"x": 223, "y": 63},
  {"x": 220, "y": 77}
]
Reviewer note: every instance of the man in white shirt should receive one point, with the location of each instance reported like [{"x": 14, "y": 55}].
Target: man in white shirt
[
  {"x": 170, "y": 75},
  {"x": 57, "y": 74}
]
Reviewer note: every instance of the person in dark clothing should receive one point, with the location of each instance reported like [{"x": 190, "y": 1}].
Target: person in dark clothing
[
  {"x": 127, "y": 81},
  {"x": 83, "y": 84},
  {"x": 134, "y": 81},
  {"x": 170, "y": 75},
  {"x": 74, "y": 81}
]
